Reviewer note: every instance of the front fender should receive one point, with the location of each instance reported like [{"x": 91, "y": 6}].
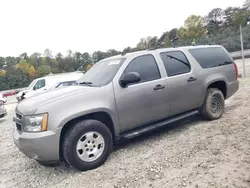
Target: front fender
[{"x": 91, "y": 111}]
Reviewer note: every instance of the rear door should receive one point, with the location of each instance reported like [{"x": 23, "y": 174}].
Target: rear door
[
  {"x": 143, "y": 102},
  {"x": 183, "y": 84}
]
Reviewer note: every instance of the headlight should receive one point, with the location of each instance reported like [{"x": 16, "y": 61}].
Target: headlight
[{"x": 36, "y": 123}]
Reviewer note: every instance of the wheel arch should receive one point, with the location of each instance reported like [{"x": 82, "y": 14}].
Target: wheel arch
[
  {"x": 219, "y": 84},
  {"x": 101, "y": 116}
]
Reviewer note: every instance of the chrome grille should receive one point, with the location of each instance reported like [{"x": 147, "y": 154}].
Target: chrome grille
[{"x": 18, "y": 119}]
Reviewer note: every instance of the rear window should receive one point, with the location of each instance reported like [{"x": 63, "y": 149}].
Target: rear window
[{"x": 211, "y": 57}]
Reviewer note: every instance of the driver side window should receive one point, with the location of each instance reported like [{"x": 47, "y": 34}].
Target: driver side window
[
  {"x": 146, "y": 66},
  {"x": 39, "y": 84}
]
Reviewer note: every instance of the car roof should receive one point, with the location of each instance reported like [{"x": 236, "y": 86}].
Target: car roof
[{"x": 159, "y": 50}]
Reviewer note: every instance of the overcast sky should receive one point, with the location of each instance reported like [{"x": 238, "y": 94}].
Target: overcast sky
[{"x": 81, "y": 25}]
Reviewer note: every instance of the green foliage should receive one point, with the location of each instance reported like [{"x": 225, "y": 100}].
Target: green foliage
[
  {"x": 217, "y": 27},
  {"x": 43, "y": 70},
  {"x": 10, "y": 61},
  {"x": 3, "y": 83},
  {"x": 2, "y": 62},
  {"x": 16, "y": 78},
  {"x": 193, "y": 28}
]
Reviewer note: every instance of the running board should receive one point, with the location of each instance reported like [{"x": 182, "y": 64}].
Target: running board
[{"x": 151, "y": 127}]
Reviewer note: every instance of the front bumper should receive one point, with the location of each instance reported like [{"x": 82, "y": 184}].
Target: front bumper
[{"x": 42, "y": 146}]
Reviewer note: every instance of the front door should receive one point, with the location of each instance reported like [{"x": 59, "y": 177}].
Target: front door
[{"x": 143, "y": 102}]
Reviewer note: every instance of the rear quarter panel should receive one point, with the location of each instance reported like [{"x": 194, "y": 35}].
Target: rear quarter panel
[{"x": 207, "y": 76}]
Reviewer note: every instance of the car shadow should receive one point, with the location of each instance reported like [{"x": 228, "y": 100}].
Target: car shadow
[
  {"x": 63, "y": 167},
  {"x": 175, "y": 127}
]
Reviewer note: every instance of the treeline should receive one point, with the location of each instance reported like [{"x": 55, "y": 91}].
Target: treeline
[{"x": 218, "y": 27}]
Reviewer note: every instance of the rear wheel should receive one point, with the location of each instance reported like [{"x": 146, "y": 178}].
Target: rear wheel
[
  {"x": 87, "y": 145},
  {"x": 214, "y": 104}
]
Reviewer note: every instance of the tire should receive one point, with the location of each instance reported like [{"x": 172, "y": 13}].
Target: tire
[
  {"x": 87, "y": 145},
  {"x": 214, "y": 105}
]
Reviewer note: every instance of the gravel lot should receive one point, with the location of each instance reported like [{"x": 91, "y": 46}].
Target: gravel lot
[{"x": 194, "y": 153}]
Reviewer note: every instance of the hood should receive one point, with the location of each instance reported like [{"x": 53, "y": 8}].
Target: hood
[
  {"x": 21, "y": 92},
  {"x": 30, "y": 105}
]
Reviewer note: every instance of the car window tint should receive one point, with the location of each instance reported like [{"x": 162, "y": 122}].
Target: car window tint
[
  {"x": 211, "y": 57},
  {"x": 175, "y": 63},
  {"x": 146, "y": 66}
]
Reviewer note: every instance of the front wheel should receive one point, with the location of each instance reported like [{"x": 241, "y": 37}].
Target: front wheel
[
  {"x": 214, "y": 104},
  {"x": 87, "y": 145}
]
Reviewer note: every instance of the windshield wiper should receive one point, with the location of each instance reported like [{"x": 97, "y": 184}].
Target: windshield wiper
[
  {"x": 179, "y": 60},
  {"x": 86, "y": 83},
  {"x": 225, "y": 63}
]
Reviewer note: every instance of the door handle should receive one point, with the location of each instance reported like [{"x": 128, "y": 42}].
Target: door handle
[
  {"x": 158, "y": 87},
  {"x": 192, "y": 79}
]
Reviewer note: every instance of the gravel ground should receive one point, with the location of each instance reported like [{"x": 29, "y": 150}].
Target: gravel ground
[{"x": 194, "y": 153}]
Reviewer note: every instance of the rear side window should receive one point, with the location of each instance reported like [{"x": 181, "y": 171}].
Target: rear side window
[
  {"x": 211, "y": 57},
  {"x": 175, "y": 63},
  {"x": 146, "y": 66}
]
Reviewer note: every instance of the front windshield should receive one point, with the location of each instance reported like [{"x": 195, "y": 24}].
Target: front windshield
[
  {"x": 31, "y": 84},
  {"x": 102, "y": 72}
]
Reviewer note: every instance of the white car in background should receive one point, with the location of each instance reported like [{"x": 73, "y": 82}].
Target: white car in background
[
  {"x": 41, "y": 85},
  {"x": 2, "y": 98},
  {"x": 3, "y": 111}
]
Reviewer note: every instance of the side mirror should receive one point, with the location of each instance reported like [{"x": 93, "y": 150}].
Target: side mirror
[{"x": 131, "y": 77}]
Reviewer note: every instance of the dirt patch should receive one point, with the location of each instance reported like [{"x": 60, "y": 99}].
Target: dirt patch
[{"x": 194, "y": 153}]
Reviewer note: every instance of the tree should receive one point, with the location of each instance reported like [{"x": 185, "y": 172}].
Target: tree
[
  {"x": 143, "y": 44},
  {"x": 98, "y": 55},
  {"x": 10, "y": 61},
  {"x": 3, "y": 73},
  {"x": 43, "y": 70},
  {"x": 172, "y": 33},
  {"x": 193, "y": 28},
  {"x": 240, "y": 17},
  {"x": 86, "y": 59},
  {"x": 32, "y": 72},
  {"x": 2, "y": 62},
  {"x": 164, "y": 38},
  {"x": 16, "y": 78},
  {"x": 153, "y": 43},
  {"x": 214, "y": 20},
  {"x": 3, "y": 83},
  {"x": 48, "y": 53},
  {"x": 24, "y": 56},
  {"x": 23, "y": 65},
  {"x": 112, "y": 52},
  {"x": 126, "y": 50},
  {"x": 35, "y": 60},
  {"x": 228, "y": 17}
]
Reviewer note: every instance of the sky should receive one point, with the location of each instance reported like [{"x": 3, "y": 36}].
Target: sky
[{"x": 87, "y": 26}]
